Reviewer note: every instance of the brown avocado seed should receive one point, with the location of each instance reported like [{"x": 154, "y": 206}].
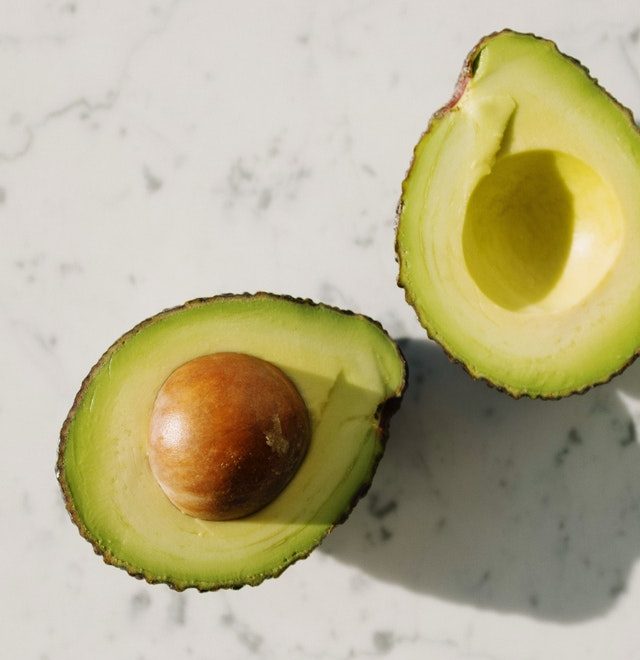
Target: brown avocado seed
[{"x": 228, "y": 432}]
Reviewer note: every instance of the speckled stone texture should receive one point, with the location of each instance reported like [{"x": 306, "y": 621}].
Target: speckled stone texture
[{"x": 154, "y": 152}]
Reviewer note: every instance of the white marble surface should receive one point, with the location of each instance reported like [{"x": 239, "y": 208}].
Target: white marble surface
[{"x": 152, "y": 152}]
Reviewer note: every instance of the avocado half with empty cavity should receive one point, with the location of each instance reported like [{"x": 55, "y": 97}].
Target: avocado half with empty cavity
[
  {"x": 216, "y": 443},
  {"x": 518, "y": 234}
]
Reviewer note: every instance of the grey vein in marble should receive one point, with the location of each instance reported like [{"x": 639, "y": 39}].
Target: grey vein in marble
[{"x": 86, "y": 105}]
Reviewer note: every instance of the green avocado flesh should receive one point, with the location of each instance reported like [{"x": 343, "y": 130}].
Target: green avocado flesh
[
  {"x": 518, "y": 236},
  {"x": 348, "y": 372}
]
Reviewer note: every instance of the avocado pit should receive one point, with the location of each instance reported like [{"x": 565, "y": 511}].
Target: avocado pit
[{"x": 228, "y": 431}]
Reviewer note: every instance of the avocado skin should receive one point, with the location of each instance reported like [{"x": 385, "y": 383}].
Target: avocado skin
[
  {"x": 466, "y": 74},
  {"x": 383, "y": 417}
]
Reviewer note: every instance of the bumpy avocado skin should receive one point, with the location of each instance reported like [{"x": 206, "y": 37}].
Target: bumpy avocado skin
[
  {"x": 382, "y": 418},
  {"x": 404, "y": 281}
]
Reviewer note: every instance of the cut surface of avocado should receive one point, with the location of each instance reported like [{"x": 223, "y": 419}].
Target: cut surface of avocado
[
  {"x": 351, "y": 376},
  {"x": 518, "y": 233}
]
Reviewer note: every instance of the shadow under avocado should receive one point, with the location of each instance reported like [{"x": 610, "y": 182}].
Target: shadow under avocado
[{"x": 511, "y": 505}]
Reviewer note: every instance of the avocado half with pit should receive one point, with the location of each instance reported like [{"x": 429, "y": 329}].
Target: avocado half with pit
[
  {"x": 218, "y": 442},
  {"x": 518, "y": 235}
]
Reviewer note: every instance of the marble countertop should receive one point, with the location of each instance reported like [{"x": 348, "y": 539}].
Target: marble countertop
[{"x": 153, "y": 152}]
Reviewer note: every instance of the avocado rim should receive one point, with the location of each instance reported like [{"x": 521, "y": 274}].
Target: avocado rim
[
  {"x": 466, "y": 74},
  {"x": 385, "y": 410}
]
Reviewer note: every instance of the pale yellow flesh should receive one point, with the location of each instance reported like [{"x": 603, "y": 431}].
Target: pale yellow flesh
[
  {"x": 344, "y": 367},
  {"x": 519, "y": 235},
  {"x": 542, "y": 230}
]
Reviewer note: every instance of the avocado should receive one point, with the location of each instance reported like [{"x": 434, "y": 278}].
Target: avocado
[
  {"x": 518, "y": 233},
  {"x": 301, "y": 393}
]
